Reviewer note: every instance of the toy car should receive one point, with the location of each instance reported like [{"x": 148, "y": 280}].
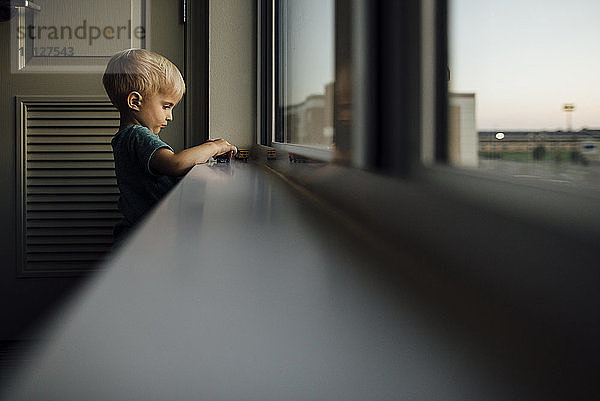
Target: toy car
[{"x": 243, "y": 155}]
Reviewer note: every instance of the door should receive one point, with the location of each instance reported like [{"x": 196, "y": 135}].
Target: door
[{"x": 52, "y": 55}]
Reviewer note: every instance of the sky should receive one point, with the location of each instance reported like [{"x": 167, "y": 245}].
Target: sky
[
  {"x": 524, "y": 59},
  {"x": 310, "y": 40}
]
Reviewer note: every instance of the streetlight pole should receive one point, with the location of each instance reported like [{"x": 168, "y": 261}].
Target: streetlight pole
[
  {"x": 568, "y": 108},
  {"x": 499, "y": 137}
]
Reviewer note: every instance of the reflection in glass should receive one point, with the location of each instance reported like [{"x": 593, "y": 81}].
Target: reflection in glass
[
  {"x": 306, "y": 72},
  {"x": 524, "y": 97}
]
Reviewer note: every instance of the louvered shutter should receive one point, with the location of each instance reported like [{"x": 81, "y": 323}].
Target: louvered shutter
[{"x": 67, "y": 185}]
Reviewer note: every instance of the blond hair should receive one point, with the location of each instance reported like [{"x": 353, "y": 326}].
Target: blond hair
[{"x": 142, "y": 71}]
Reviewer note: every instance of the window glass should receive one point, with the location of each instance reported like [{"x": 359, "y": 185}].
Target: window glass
[
  {"x": 305, "y": 55},
  {"x": 524, "y": 89}
]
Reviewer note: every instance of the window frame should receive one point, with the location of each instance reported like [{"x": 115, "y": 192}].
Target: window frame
[
  {"x": 265, "y": 83},
  {"x": 368, "y": 27},
  {"x": 195, "y": 71},
  {"x": 269, "y": 90}
]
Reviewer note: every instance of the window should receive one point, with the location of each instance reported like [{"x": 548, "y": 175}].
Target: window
[
  {"x": 305, "y": 74},
  {"x": 524, "y": 98}
]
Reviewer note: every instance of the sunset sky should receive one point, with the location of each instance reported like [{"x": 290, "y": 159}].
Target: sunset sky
[{"x": 524, "y": 59}]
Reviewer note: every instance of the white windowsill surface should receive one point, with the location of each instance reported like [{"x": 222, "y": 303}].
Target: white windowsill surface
[{"x": 237, "y": 286}]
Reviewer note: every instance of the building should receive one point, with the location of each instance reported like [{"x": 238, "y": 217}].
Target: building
[{"x": 462, "y": 141}]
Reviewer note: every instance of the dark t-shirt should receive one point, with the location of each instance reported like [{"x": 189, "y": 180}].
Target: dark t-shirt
[{"x": 140, "y": 188}]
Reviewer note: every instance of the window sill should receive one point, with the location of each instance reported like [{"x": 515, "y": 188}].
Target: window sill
[
  {"x": 237, "y": 286},
  {"x": 312, "y": 152}
]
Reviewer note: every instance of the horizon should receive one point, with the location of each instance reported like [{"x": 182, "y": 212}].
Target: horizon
[{"x": 512, "y": 131}]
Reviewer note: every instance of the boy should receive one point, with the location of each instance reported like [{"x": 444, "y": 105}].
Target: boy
[{"x": 145, "y": 87}]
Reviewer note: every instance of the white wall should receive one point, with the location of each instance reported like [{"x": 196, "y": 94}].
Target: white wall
[{"x": 232, "y": 71}]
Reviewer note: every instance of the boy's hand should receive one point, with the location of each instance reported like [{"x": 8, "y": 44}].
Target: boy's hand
[{"x": 221, "y": 146}]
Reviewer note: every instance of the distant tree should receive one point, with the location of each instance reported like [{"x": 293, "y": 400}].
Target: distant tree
[
  {"x": 539, "y": 153},
  {"x": 575, "y": 156}
]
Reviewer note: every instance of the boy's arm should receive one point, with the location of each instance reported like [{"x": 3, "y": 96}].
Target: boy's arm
[{"x": 165, "y": 162}]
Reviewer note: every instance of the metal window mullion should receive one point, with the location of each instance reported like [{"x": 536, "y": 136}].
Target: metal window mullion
[
  {"x": 265, "y": 79},
  {"x": 441, "y": 83},
  {"x": 394, "y": 36}
]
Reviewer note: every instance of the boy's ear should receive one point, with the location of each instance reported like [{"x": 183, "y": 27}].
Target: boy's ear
[{"x": 134, "y": 100}]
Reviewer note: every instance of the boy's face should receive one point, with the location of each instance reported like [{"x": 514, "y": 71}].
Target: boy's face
[{"x": 155, "y": 111}]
